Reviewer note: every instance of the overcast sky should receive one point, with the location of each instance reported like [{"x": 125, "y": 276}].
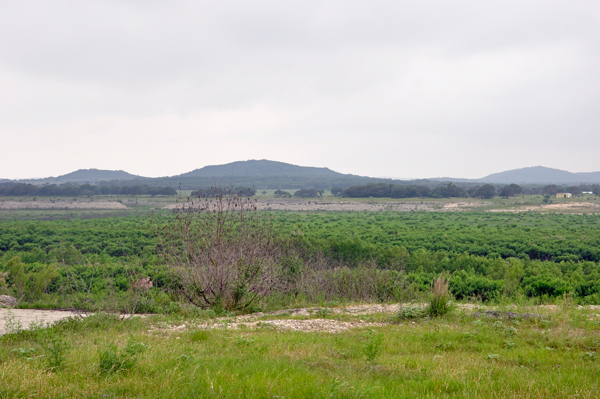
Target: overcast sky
[{"x": 376, "y": 88}]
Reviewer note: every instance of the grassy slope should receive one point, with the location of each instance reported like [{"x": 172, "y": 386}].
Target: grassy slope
[{"x": 447, "y": 357}]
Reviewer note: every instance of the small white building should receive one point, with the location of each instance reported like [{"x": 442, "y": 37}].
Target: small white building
[{"x": 563, "y": 195}]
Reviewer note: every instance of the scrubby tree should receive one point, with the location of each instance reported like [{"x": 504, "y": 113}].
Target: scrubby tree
[
  {"x": 552, "y": 189},
  {"x": 337, "y": 191},
  {"x": 575, "y": 190},
  {"x": 221, "y": 253},
  {"x": 308, "y": 193},
  {"x": 487, "y": 191},
  {"x": 448, "y": 190},
  {"x": 245, "y": 191},
  {"x": 282, "y": 194},
  {"x": 511, "y": 190}
]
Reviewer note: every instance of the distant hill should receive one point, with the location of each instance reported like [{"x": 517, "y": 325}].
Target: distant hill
[
  {"x": 540, "y": 175},
  {"x": 261, "y": 168},
  {"x": 86, "y": 176},
  {"x": 263, "y": 174}
]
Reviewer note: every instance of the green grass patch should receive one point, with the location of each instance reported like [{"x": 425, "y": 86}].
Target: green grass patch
[{"x": 454, "y": 356}]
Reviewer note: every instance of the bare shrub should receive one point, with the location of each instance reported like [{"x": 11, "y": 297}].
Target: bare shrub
[
  {"x": 3, "y": 284},
  {"x": 324, "y": 279},
  {"x": 143, "y": 284},
  {"x": 221, "y": 253}
]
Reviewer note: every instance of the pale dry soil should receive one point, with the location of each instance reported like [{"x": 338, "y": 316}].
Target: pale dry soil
[
  {"x": 281, "y": 204},
  {"x": 11, "y": 319},
  {"x": 288, "y": 323},
  {"x": 572, "y": 207},
  {"x": 26, "y": 318}
]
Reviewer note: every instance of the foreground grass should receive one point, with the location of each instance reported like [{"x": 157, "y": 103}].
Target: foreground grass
[{"x": 454, "y": 356}]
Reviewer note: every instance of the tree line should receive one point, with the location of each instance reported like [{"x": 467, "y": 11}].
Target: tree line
[
  {"x": 553, "y": 189},
  {"x": 212, "y": 192},
  {"x": 383, "y": 190},
  {"x": 448, "y": 190},
  {"x": 83, "y": 190}
]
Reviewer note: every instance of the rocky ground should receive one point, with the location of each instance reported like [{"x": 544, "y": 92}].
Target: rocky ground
[
  {"x": 301, "y": 319},
  {"x": 357, "y": 206}
]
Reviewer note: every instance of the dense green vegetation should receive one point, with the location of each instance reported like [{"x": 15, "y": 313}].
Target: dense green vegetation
[
  {"x": 351, "y": 237},
  {"x": 489, "y": 255},
  {"x": 362, "y": 236}
]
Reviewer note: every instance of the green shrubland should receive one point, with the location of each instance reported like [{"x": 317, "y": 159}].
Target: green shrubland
[{"x": 328, "y": 256}]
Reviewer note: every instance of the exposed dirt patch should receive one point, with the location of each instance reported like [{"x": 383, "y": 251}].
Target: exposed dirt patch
[
  {"x": 261, "y": 320},
  {"x": 310, "y": 325},
  {"x": 62, "y": 204},
  {"x": 571, "y": 207},
  {"x": 455, "y": 206},
  {"x": 11, "y": 318},
  {"x": 331, "y": 326},
  {"x": 574, "y": 205},
  {"x": 336, "y": 206},
  {"x": 284, "y": 320},
  {"x": 356, "y": 206},
  {"x": 277, "y": 320},
  {"x": 359, "y": 309}
]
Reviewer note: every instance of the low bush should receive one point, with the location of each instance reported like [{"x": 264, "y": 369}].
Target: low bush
[
  {"x": 373, "y": 345},
  {"x": 411, "y": 312},
  {"x": 465, "y": 285},
  {"x": 112, "y": 360},
  {"x": 55, "y": 349}
]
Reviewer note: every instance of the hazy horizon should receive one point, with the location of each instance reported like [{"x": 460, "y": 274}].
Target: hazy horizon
[
  {"x": 381, "y": 88},
  {"x": 378, "y": 177}
]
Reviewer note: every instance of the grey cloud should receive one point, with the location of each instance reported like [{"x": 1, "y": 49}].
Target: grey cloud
[{"x": 370, "y": 76}]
